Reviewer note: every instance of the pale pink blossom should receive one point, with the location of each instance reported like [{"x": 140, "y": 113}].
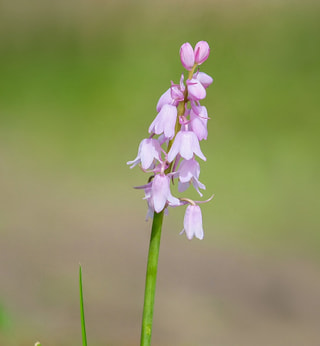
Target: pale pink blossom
[
  {"x": 177, "y": 90},
  {"x": 149, "y": 150},
  {"x": 160, "y": 193},
  {"x": 203, "y": 78},
  {"x": 166, "y": 99},
  {"x": 189, "y": 172},
  {"x": 165, "y": 121},
  {"x": 186, "y": 144},
  {"x": 196, "y": 90},
  {"x": 192, "y": 224},
  {"x": 198, "y": 123},
  {"x": 199, "y": 110}
]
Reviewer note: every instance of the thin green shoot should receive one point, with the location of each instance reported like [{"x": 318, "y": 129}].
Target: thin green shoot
[{"x": 83, "y": 323}]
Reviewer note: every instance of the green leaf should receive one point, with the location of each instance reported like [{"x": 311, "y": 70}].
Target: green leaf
[{"x": 83, "y": 323}]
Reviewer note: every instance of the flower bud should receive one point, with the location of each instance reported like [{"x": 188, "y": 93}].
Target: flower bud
[
  {"x": 187, "y": 56},
  {"x": 202, "y": 51}
]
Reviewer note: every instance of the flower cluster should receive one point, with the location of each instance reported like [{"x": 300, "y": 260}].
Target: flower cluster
[{"x": 170, "y": 151}]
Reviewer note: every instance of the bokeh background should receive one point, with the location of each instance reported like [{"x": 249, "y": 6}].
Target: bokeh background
[{"x": 79, "y": 81}]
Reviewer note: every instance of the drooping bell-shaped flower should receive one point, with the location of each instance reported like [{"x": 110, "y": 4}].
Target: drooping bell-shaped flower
[
  {"x": 164, "y": 99},
  {"x": 189, "y": 172},
  {"x": 160, "y": 193},
  {"x": 192, "y": 224},
  {"x": 188, "y": 169},
  {"x": 199, "y": 123},
  {"x": 196, "y": 90},
  {"x": 186, "y": 144},
  {"x": 149, "y": 150},
  {"x": 201, "y": 52},
  {"x": 187, "y": 56},
  {"x": 165, "y": 121}
]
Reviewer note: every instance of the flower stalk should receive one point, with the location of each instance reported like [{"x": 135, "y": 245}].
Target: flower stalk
[{"x": 151, "y": 278}]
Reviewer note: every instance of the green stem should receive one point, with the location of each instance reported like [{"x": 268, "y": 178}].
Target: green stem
[{"x": 151, "y": 278}]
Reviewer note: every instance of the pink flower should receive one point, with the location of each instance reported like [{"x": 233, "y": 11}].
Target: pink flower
[
  {"x": 165, "y": 121},
  {"x": 199, "y": 122},
  {"x": 147, "y": 197},
  {"x": 149, "y": 150},
  {"x": 177, "y": 91},
  {"x": 196, "y": 91},
  {"x": 192, "y": 224},
  {"x": 160, "y": 193},
  {"x": 187, "y": 56},
  {"x": 186, "y": 144},
  {"x": 202, "y": 51},
  {"x": 164, "y": 99},
  {"x": 203, "y": 78},
  {"x": 189, "y": 172}
]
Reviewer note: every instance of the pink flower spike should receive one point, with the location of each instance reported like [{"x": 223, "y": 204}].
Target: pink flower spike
[
  {"x": 160, "y": 193},
  {"x": 149, "y": 150},
  {"x": 165, "y": 121},
  {"x": 196, "y": 91},
  {"x": 192, "y": 224},
  {"x": 202, "y": 52},
  {"x": 187, "y": 56},
  {"x": 186, "y": 144},
  {"x": 170, "y": 153},
  {"x": 204, "y": 79}
]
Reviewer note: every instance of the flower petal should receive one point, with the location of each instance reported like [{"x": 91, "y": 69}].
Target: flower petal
[
  {"x": 196, "y": 90},
  {"x": 160, "y": 192}
]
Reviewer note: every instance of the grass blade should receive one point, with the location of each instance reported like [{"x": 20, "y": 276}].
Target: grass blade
[{"x": 83, "y": 323}]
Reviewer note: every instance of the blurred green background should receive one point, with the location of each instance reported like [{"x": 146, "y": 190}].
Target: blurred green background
[{"x": 79, "y": 81}]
